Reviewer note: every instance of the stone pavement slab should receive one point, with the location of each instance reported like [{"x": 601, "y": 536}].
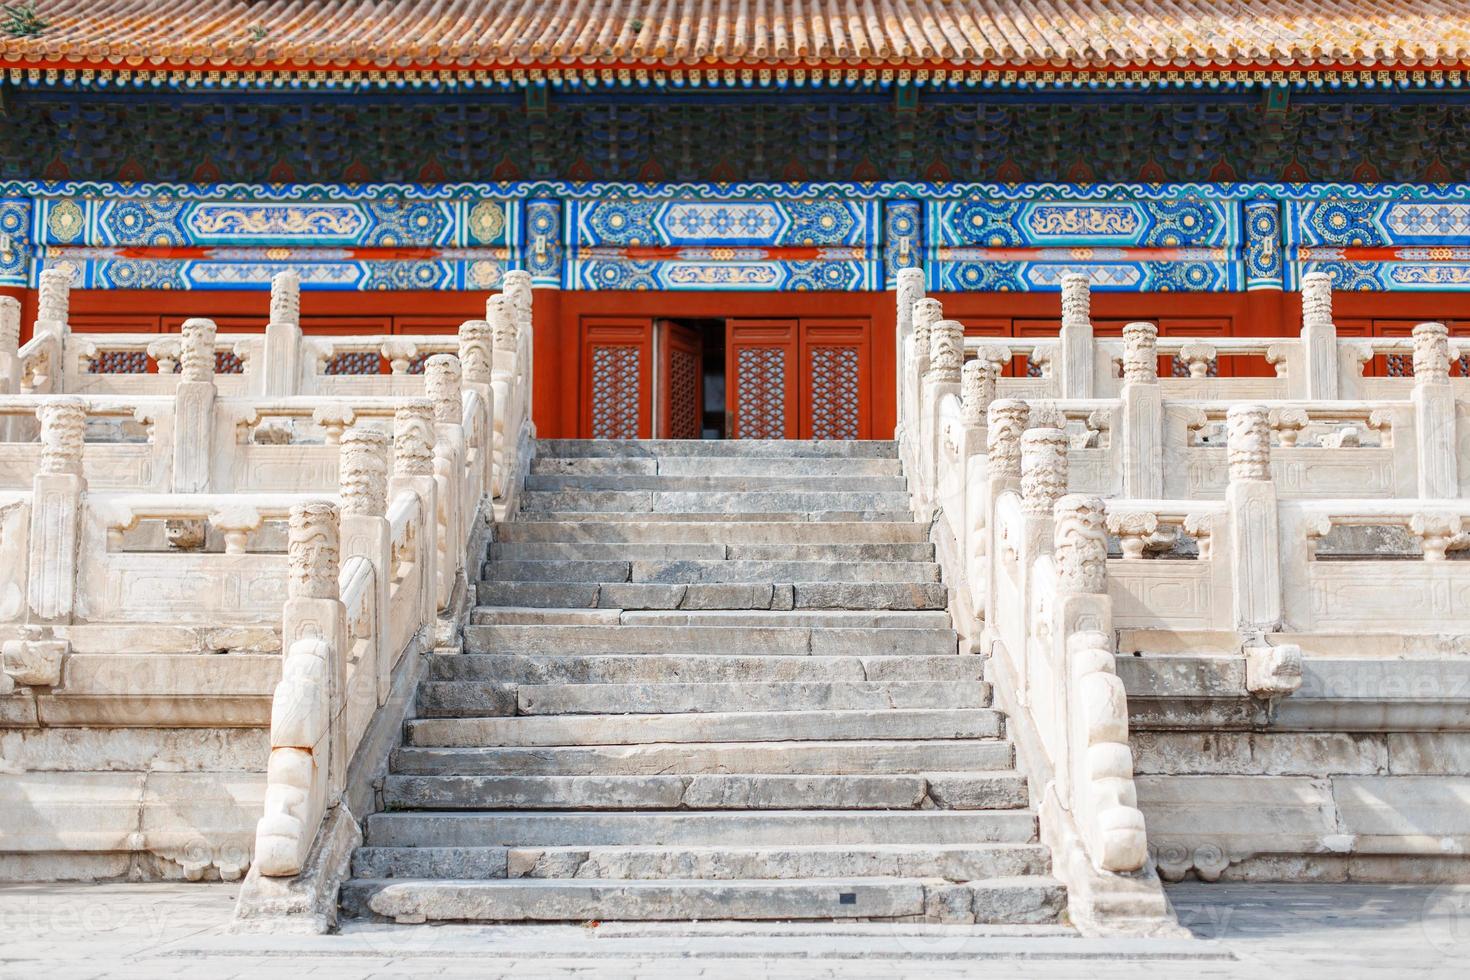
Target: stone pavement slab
[{"x": 124, "y": 931}]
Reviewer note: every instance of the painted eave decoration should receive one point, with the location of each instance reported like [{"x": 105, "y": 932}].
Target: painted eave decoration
[{"x": 735, "y": 43}]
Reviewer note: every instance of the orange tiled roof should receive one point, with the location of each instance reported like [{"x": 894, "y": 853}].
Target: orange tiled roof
[{"x": 406, "y": 34}]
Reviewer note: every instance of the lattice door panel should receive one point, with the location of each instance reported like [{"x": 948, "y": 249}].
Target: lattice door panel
[
  {"x": 835, "y": 374},
  {"x": 761, "y": 395},
  {"x": 617, "y": 367},
  {"x": 681, "y": 403}
]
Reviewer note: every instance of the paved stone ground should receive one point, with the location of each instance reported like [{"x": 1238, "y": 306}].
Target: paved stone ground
[{"x": 61, "y": 932}]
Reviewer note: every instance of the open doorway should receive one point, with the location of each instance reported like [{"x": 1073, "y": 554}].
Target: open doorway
[
  {"x": 692, "y": 377},
  {"x": 689, "y": 390}
]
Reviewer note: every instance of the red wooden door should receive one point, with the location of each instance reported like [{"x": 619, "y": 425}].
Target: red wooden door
[
  {"x": 835, "y": 380},
  {"x": 760, "y": 379},
  {"x": 617, "y": 378},
  {"x": 679, "y": 391}
]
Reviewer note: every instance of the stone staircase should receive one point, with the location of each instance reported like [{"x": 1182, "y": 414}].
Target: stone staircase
[{"x": 707, "y": 680}]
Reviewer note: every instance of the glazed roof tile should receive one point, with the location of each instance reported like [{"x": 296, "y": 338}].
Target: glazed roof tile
[{"x": 1159, "y": 34}]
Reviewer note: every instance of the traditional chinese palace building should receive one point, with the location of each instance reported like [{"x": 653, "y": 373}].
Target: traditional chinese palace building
[{"x": 717, "y": 195}]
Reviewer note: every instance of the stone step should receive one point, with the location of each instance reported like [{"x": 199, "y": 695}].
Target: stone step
[
  {"x": 724, "y": 792},
  {"x": 745, "y": 726},
  {"x": 968, "y": 862},
  {"x": 750, "y": 828},
  {"x": 837, "y": 758},
  {"x": 820, "y": 517},
  {"x": 717, "y": 595},
  {"x": 658, "y": 551},
  {"x": 798, "y": 530},
  {"x": 715, "y": 484},
  {"x": 553, "y": 616},
  {"x": 697, "y": 502},
  {"x": 461, "y": 699},
  {"x": 692, "y": 572},
  {"x": 1030, "y": 899},
  {"x": 798, "y": 641},
  {"x": 750, "y": 448},
  {"x": 697, "y": 668},
  {"x": 718, "y": 466}
]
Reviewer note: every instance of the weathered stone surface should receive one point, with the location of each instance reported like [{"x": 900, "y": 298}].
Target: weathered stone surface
[
  {"x": 602, "y": 551},
  {"x": 1258, "y": 753},
  {"x": 560, "y": 595},
  {"x": 537, "y": 528},
  {"x": 625, "y": 792},
  {"x": 728, "y": 691},
  {"x": 658, "y": 697},
  {"x": 1427, "y": 753},
  {"x": 913, "y": 595},
  {"x": 429, "y": 862},
  {"x": 979, "y": 861},
  {"x": 862, "y": 618},
  {"x": 638, "y": 668},
  {"x": 459, "y": 699},
  {"x": 721, "y": 727},
  {"x": 558, "y": 570},
  {"x": 709, "y": 828},
  {"x": 553, "y": 900},
  {"x": 976, "y": 790},
  {"x": 1404, "y": 814},
  {"x": 133, "y": 749},
  {"x": 783, "y": 571},
  {"x": 549, "y": 616},
  {"x": 757, "y": 502},
  {"x": 854, "y": 756}
]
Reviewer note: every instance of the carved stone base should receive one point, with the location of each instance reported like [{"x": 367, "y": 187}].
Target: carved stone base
[{"x": 307, "y": 903}]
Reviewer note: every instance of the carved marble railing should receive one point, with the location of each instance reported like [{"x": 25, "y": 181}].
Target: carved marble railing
[
  {"x": 237, "y": 400},
  {"x": 318, "y": 538},
  {"x": 1316, "y": 365},
  {"x": 1110, "y": 498},
  {"x": 1146, "y": 441}
]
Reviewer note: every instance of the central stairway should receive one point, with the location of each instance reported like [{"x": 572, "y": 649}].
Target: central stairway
[{"x": 707, "y": 680}]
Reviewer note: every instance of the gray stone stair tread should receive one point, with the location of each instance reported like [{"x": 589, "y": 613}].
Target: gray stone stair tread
[
  {"x": 752, "y": 640},
  {"x": 513, "y": 828},
  {"x": 707, "y": 551},
  {"x": 768, "y": 696},
  {"x": 654, "y": 758},
  {"x": 706, "y": 680},
  {"x": 718, "y": 791},
  {"x": 711, "y": 727},
  {"x": 717, "y": 595},
  {"x": 703, "y": 530},
  {"x": 467, "y": 699},
  {"x": 713, "y": 483},
  {"x": 1031, "y": 899},
  {"x": 966, "y": 862},
  {"x": 573, "y": 616},
  {"x": 524, "y": 668},
  {"x": 690, "y": 571},
  {"x": 820, "y": 517},
  {"x": 815, "y": 618}
]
